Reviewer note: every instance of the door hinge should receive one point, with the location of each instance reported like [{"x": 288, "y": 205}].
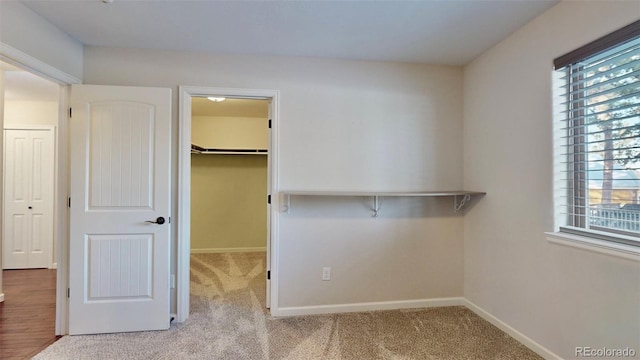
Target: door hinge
[
  {"x": 69, "y": 202},
  {"x": 169, "y": 221},
  {"x": 268, "y": 199},
  {"x": 70, "y": 112},
  {"x": 68, "y": 292},
  {"x": 269, "y": 123},
  {"x": 268, "y": 274}
]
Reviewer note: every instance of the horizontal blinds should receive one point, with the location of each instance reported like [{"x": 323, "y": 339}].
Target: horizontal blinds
[
  {"x": 599, "y": 137},
  {"x": 595, "y": 47}
]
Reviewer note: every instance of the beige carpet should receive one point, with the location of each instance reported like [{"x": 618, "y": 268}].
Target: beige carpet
[{"x": 228, "y": 321}]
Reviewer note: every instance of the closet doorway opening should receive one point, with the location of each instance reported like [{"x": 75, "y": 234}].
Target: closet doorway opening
[{"x": 225, "y": 201}]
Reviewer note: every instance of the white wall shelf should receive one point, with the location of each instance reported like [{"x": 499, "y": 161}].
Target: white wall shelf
[
  {"x": 195, "y": 149},
  {"x": 460, "y": 197}
]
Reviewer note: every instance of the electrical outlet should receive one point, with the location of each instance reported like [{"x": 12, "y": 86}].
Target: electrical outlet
[{"x": 326, "y": 273}]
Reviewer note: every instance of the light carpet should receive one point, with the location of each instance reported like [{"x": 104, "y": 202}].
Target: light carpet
[{"x": 229, "y": 321}]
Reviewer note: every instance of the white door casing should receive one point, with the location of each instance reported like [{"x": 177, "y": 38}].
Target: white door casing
[
  {"x": 120, "y": 180},
  {"x": 28, "y": 198},
  {"x": 271, "y": 196},
  {"x": 184, "y": 190}
]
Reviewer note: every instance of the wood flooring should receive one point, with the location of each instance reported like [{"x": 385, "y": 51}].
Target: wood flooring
[{"x": 28, "y": 313}]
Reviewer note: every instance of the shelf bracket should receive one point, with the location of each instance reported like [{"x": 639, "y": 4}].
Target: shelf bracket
[
  {"x": 377, "y": 204},
  {"x": 459, "y": 204},
  {"x": 286, "y": 204}
]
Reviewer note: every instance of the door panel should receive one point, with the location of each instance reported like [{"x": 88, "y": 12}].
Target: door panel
[
  {"x": 16, "y": 232},
  {"x": 120, "y": 177},
  {"x": 121, "y": 155},
  {"x": 28, "y": 198},
  {"x": 38, "y": 234},
  {"x": 41, "y": 198},
  {"x": 16, "y": 228},
  {"x": 120, "y": 267}
]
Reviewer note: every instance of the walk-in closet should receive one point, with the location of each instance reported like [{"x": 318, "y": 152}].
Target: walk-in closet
[{"x": 229, "y": 170}]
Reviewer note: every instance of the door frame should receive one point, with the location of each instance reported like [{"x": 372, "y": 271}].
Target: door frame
[
  {"x": 186, "y": 93},
  {"x": 35, "y": 66},
  {"x": 33, "y": 127}
]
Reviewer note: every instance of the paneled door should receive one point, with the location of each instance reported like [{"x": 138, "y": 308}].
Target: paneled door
[
  {"x": 120, "y": 208},
  {"x": 27, "y": 237}
]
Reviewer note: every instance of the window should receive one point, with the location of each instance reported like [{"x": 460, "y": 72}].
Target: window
[{"x": 598, "y": 138}]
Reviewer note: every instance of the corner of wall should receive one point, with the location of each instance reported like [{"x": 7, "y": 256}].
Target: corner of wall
[
  {"x": 522, "y": 338},
  {"x": 24, "y": 33}
]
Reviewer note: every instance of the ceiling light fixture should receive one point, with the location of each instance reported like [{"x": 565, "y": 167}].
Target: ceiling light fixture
[{"x": 216, "y": 99}]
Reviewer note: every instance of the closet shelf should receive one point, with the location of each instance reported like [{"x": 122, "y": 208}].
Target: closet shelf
[
  {"x": 460, "y": 197},
  {"x": 195, "y": 149}
]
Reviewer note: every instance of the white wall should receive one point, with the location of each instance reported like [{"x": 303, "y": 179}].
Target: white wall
[
  {"x": 558, "y": 296},
  {"x": 31, "y": 112},
  {"x": 344, "y": 125},
  {"x": 28, "y": 32}
]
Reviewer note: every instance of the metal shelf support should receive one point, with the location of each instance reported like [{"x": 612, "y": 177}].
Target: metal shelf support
[
  {"x": 458, "y": 205},
  {"x": 377, "y": 204},
  {"x": 285, "y": 205}
]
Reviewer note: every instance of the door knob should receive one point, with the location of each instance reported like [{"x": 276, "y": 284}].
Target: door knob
[{"x": 160, "y": 220}]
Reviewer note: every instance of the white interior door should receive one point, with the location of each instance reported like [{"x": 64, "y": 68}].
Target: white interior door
[
  {"x": 28, "y": 198},
  {"x": 120, "y": 185}
]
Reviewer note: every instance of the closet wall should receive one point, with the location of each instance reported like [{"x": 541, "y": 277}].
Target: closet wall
[
  {"x": 228, "y": 192},
  {"x": 228, "y": 203},
  {"x": 230, "y": 132}
]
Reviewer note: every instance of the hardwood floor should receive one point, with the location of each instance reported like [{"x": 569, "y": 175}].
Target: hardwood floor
[{"x": 28, "y": 313}]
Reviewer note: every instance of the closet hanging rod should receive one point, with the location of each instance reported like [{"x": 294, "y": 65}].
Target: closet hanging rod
[
  {"x": 195, "y": 149},
  {"x": 241, "y": 97}
]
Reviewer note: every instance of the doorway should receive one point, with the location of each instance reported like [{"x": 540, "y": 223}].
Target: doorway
[
  {"x": 189, "y": 99},
  {"x": 31, "y": 113},
  {"x": 229, "y": 159},
  {"x": 30, "y": 118},
  {"x": 229, "y": 200}
]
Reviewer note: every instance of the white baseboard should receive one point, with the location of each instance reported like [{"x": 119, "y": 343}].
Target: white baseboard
[
  {"x": 370, "y": 306},
  {"x": 54, "y": 266},
  {"x": 525, "y": 340},
  {"x": 410, "y": 304},
  {"x": 1, "y": 297},
  {"x": 228, "y": 250}
]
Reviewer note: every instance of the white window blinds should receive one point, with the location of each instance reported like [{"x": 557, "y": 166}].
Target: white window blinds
[{"x": 598, "y": 139}]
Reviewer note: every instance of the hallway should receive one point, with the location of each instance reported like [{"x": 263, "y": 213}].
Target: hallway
[{"x": 27, "y": 316}]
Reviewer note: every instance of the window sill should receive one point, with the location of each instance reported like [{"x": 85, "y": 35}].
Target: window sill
[{"x": 595, "y": 245}]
